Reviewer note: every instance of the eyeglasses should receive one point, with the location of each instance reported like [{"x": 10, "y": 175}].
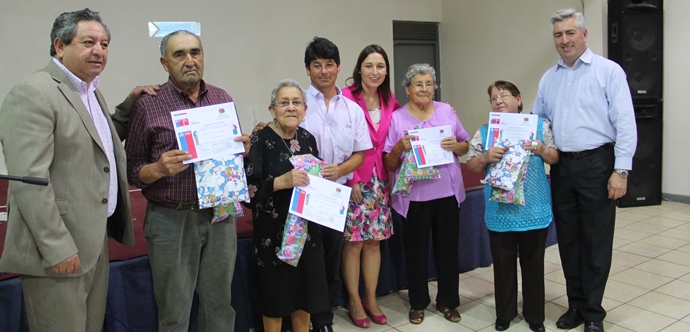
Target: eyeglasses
[
  {"x": 502, "y": 96},
  {"x": 286, "y": 103},
  {"x": 420, "y": 86}
]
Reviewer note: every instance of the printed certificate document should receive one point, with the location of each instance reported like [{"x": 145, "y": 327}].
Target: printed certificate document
[
  {"x": 426, "y": 147},
  {"x": 323, "y": 201},
  {"x": 208, "y": 132},
  {"x": 512, "y": 126}
]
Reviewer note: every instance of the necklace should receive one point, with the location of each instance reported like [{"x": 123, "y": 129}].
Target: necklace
[
  {"x": 282, "y": 139},
  {"x": 290, "y": 150}
]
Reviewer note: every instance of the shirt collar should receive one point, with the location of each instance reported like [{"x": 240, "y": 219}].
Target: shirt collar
[
  {"x": 586, "y": 57},
  {"x": 78, "y": 83},
  {"x": 314, "y": 92},
  {"x": 202, "y": 88}
]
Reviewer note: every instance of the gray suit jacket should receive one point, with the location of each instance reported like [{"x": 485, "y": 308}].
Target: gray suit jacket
[{"x": 47, "y": 132}]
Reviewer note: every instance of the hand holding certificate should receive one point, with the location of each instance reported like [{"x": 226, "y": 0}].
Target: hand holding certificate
[
  {"x": 426, "y": 146},
  {"x": 322, "y": 201},
  {"x": 208, "y": 132}
]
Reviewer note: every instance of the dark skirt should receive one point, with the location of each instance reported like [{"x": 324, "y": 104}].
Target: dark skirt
[{"x": 284, "y": 288}]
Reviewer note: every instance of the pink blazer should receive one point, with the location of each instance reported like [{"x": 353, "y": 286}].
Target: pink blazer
[{"x": 378, "y": 138}]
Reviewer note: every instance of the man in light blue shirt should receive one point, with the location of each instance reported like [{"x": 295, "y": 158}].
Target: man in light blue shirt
[
  {"x": 342, "y": 136},
  {"x": 587, "y": 99}
]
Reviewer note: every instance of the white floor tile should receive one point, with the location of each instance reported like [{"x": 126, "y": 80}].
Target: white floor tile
[
  {"x": 677, "y": 327},
  {"x": 663, "y": 304},
  {"x": 623, "y": 292},
  {"x": 648, "y": 288},
  {"x": 638, "y": 319},
  {"x": 677, "y": 288},
  {"x": 644, "y": 249},
  {"x": 663, "y": 241},
  {"x": 475, "y": 288},
  {"x": 676, "y": 256},
  {"x": 663, "y": 221},
  {"x": 678, "y": 215},
  {"x": 629, "y": 234},
  {"x": 677, "y": 233},
  {"x": 646, "y": 226},
  {"x": 627, "y": 259},
  {"x": 629, "y": 214},
  {"x": 642, "y": 279},
  {"x": 664, "y": 268}
]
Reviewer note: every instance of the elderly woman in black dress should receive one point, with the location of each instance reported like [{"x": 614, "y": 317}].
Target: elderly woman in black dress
[{"x": 285, "y": 290}]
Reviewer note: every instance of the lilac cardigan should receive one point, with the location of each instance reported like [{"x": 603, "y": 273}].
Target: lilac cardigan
[{"x": 378, "y": 138}]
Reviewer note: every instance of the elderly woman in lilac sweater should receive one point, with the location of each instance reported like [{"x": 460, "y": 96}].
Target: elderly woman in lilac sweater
[{"x": 433, "y": 205}]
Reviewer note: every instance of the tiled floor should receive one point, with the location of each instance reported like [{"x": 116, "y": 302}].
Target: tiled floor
[{"x": 648, "y": 288}]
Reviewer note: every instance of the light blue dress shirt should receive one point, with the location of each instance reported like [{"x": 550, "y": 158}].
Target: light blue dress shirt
[{"x": 589, "y": 105}]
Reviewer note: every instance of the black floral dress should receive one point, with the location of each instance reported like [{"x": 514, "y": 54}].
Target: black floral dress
[{"x": 283, "y": 288}]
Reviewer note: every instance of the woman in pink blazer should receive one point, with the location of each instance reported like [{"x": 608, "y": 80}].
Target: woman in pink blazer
[{"x": 368, "y": 219}]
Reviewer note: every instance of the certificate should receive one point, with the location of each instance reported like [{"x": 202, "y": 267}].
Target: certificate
[
  {"x": 208, "y": 132},
  {"x": 426, "y": 146},
  {"x": 511, "y": 126},
  {"x": 322, "y": 201}
]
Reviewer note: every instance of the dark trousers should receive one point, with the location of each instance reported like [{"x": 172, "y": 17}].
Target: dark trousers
[
  {"x": 333, "y": 248},
  {"x": 441, "y": 218},
  {"x": 505, "y": 247},
  {"x": 585, "y": 221}
]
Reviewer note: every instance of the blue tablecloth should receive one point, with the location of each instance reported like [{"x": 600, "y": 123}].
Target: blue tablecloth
[{"x": 131, "y": 305}]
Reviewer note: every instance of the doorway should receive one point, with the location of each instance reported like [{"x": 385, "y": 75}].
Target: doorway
[{"x": 414, "y": 42}]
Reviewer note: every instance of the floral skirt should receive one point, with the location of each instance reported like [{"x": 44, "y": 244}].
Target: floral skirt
[{"x": 371, "y": 218}]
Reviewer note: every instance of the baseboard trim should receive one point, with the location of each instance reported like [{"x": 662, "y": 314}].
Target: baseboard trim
[{"x": 675, "y": 198}]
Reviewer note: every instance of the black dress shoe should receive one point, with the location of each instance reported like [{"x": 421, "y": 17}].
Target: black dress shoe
[
  {"x": 537, "y": 327},
  {"x": 502, "y": 325},
  {"x": 594, "y": 326},
  {"x": 569, "y": 320}
]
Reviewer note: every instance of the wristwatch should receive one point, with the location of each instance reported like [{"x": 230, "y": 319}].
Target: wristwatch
[{"x": 622, "y": 172}]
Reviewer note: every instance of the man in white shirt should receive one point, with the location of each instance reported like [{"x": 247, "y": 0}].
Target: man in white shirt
[{"x": 342, "y": 137}]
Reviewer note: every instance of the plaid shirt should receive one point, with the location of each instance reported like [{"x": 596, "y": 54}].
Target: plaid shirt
[{"x": 152, "y": 133}]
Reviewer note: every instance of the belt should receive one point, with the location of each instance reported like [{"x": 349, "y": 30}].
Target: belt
[
  {"x": 582, "y": 154},
  {"x": 178, "y": 206}
]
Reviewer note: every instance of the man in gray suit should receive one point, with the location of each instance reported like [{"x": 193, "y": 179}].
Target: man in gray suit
[{"x": 55, "y": 124}]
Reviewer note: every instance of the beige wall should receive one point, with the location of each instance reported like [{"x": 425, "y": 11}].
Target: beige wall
[
  {"x": 483, "y": 41},
  {"x": 249, "y": 44},
  {"x": 252, "y": 44},
  {"x": 676, "y": 155},
  {"x": 502, "y": 40}
]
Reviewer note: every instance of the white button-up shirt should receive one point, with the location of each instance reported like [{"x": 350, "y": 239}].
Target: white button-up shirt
[{"x": 340, "y": 129}]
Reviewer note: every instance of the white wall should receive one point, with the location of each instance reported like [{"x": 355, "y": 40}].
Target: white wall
[
  {"x": 676, "y": 178},
  {"x": 502, "y": 40},
  {"x": 483, "y": 41},
  {"x": 250, "y": 45}
]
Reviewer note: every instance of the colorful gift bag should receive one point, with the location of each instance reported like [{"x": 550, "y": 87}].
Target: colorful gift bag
[
  {"x": 516, "y": 196},
  {"x": 295, "y": 232},
  {"x": 507, "y": 177},
  {"x": 222, "y": 184},
  {"x": 409, "y": 172}
]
